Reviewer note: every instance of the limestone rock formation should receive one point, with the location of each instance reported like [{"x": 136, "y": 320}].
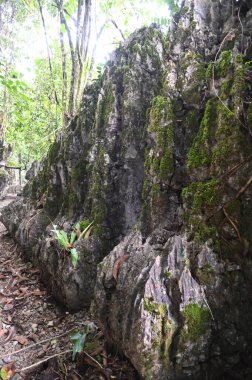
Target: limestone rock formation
[
  {"x": 94, "y": 172},
  {"x": 159, "y": 158}
]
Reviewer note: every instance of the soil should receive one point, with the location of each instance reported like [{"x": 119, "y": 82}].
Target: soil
[{"x": 35, "y": 332}]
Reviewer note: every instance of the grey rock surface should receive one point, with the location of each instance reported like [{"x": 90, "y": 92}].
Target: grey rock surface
[{"x": 159, "y": 158}]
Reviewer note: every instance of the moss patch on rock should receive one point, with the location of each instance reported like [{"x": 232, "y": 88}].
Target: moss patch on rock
[
  {"x": 200, "y": 153},
  {"x": 197, "y": 322}
]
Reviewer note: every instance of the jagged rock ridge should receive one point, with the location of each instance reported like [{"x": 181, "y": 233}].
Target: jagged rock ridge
[{"x": 160, "y": 158}]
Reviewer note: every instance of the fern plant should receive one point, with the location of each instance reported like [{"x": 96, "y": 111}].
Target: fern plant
[{"x": 67, "y": 244}]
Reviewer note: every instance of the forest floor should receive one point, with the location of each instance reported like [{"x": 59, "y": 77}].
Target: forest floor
[{"x": 35, "y": 332}]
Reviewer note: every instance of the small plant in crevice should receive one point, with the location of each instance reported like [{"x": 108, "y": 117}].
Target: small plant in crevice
[
  {"x": 78, "y": 338},
  {"x": 67, "y": 243}
]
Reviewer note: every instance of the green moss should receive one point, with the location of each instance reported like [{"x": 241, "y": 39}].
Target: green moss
[
  {"x": 200, "y": 154},
  {"x": 192, "y": 119},
  {"x": 155, "y": 190},
  {"x": 100, "y": 215},
  {"x": 53, "y": 152},
  {"x": 84, "y": 224},
  {"x": 72, "y": 199},
  {"x": 184, "y": 11},
  {"x": 169, "y": 274},
  {"x": 221, "y": 68},
  {"x": 104, "y": 109},
  {"x": 203, "y": 196},
  {"x": 161, "y": 123},
  {"x": 226, "y": 89},
  {"x": 197, "y": 322},
  {"x": 219, "y": 145},
  {"x": 209, "y": 71},
  {"x": 229, "y": 140},
  {"x": 136, "y": 48},
  {"x": 193, "y": 24},
  {"x": 202, "y": 199},
  {"x": 224, "y": 64},
  {"x": 248, "y": 65},
  {"x": 79, "y": 169},
  {"x": 166, "y": 166},
  {"x": 239, "y": 86},
  {"x": 150, "y": 306},
  {"x": 163, "y": 327},
  {"x": 239, "y": 58},
  {"x": 200, "y": 72},
  {"x": 159, "y": 162}
]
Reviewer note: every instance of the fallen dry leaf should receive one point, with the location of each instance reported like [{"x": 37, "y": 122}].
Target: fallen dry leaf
[
  {"x": 23, "y": 289},
  {"x": 38, "y": 292},
  {"x": 22, "y": 340},
  {"x": 34, "y": 337},
  {"x": 8, "y": 307},
  {"x": 8, "y": 371},
  {"x": 2, "y": 332},
  {"x": 104, "y": 357},
  {"x": 117, "y": 265},
  {"x": 11, "y": 332},
  {"x": 87, "y": 234},
  {"x": 46, "y": 346}
]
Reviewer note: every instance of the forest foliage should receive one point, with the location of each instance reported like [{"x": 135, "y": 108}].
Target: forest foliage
[{"x": 49, "y": 51}]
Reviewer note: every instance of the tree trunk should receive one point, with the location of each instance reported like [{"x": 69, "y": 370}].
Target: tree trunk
[{"x": 48, "y": 50}]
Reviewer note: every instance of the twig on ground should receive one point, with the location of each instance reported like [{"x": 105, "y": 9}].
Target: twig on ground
[
  {"x": 43, "y": 361},
  {"x": 36, "y": 344},
  {"x": 93, "y": 359}
]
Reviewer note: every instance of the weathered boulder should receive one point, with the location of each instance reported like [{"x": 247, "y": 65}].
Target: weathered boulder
[
  {"x": 158, "y": 309},
  {"x": 159, "y": 158},
  {"x": 94, "y": 172},
  {"x": 177, "y": 302}
]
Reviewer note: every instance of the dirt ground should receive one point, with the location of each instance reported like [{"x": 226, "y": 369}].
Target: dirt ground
[{"x": 35, "y": 332}]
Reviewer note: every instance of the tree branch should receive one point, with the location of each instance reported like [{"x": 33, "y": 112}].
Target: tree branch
[
  {"x": 117, "y": 27},
  {"x": 48, "y": 50}
]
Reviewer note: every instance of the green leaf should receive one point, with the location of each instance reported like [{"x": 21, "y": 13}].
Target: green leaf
[
  {"x": 72, "y": 237},
  {"x": 85, "y": 230},
  {"x": 4, "y": 373},
  {"x": 78, "y": 340},
  {"x": 61, "y": 236},
  {"x": 74, "y": 256}
]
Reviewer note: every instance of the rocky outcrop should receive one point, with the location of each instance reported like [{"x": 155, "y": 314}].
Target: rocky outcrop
[
  {"x": 94, "y": 172},
  {"x": 178, "y": 306},
  {"x": 159, "y": 158}
]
